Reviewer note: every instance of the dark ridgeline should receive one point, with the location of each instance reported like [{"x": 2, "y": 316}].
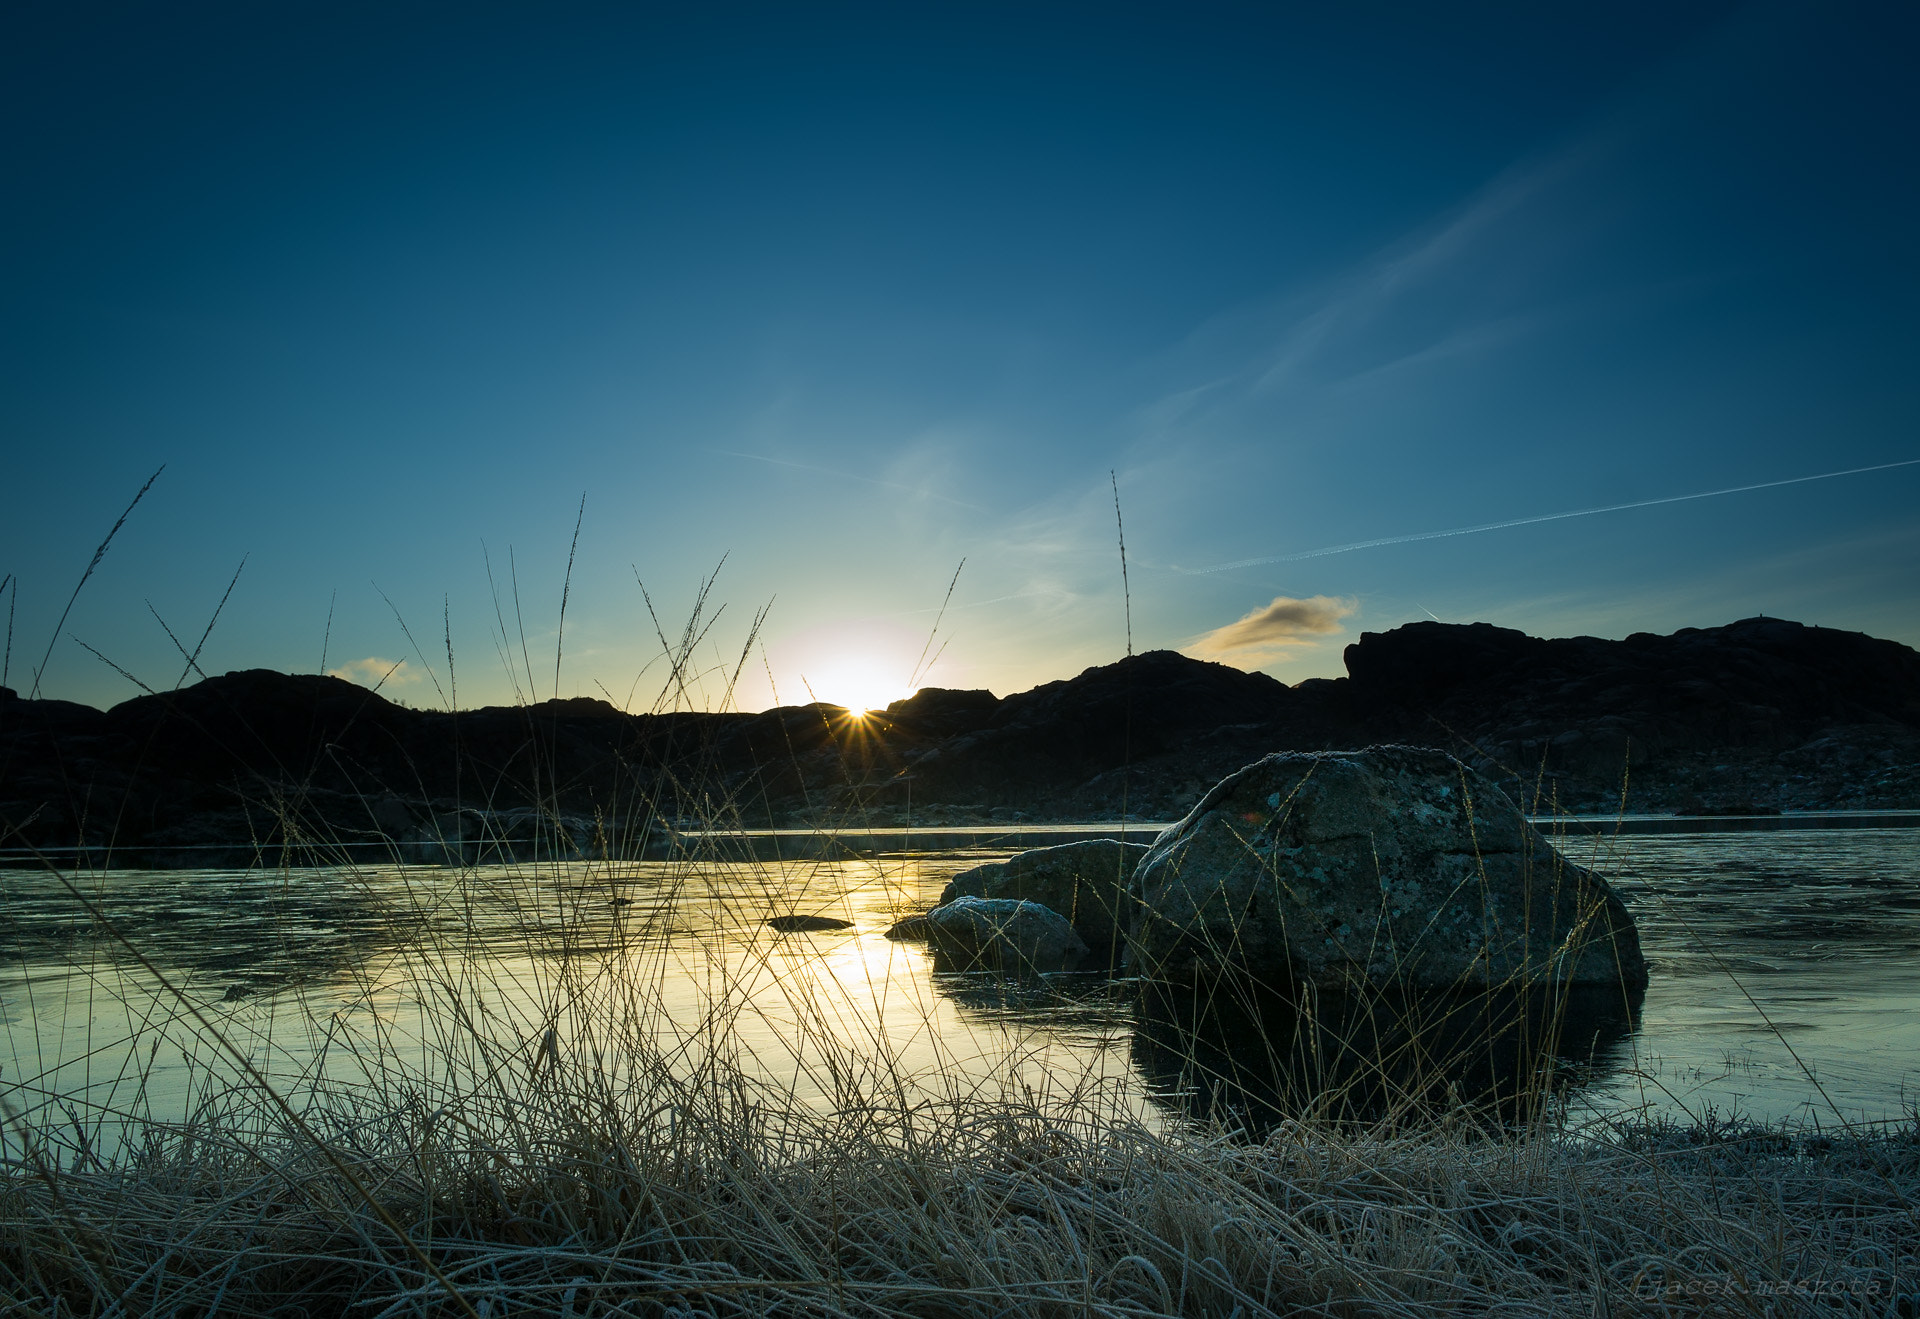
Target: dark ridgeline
[{"x": 1761, "y": 714}]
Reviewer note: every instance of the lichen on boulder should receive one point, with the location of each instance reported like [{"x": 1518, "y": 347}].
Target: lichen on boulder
[{"x": 1392, "y": 866}]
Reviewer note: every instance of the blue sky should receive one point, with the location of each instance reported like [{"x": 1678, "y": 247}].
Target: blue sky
[{"x": 846, "y": 296}]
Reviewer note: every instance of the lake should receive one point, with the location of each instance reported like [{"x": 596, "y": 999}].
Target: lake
[{"x": 1784, "y": 986}]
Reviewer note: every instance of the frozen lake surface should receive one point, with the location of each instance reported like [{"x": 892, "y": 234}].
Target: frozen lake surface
[{"x": 1786, "y": 978}]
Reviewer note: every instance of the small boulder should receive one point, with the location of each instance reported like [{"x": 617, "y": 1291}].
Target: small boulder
[
  {"x": 911, "y": 927},
  {"x": 799, "y": 924},
  {"x": 1087, "y": 882},
  {"x": 1393, "y": 866},
  {"x": 1002, "y": 934}
]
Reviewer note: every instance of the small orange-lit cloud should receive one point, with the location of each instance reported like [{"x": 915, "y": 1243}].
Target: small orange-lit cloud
[
  {"x": 1263, "y": 635},
  {"x": 374, "y": 672}
]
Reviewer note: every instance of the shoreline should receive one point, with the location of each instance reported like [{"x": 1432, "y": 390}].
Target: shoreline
[{"x": 825, "y": 842}]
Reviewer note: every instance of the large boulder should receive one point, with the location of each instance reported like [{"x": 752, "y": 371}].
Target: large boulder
[
  {"x": 1002, "y": 934},
  {"x": 1394, "y": 866},
  {"x": 1087, "y": 882}
]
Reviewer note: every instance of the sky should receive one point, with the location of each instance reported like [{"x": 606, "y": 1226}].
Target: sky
[{"x": 810, "y": 307}]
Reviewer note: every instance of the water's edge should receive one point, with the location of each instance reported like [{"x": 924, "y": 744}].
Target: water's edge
[{"x": 799, "y": 844}]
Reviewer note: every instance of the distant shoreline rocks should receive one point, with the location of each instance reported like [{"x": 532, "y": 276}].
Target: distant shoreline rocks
[{"x": 257, "y": 767}]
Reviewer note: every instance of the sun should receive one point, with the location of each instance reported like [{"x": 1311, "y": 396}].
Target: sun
[{"x": 858, "y": 683}]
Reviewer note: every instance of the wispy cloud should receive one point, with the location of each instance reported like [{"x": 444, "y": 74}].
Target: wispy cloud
[
  {"x": 1263, "y": 634},
  {"x": 373, "y": 672},
  {"x": 920, "y": 491},
  {"x": 1502, "y": 264}
]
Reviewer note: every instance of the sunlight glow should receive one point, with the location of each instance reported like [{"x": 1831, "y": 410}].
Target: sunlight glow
[{"x": 858, "y": 683}]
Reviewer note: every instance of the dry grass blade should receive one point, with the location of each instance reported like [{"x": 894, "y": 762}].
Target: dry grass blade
[{"x": 98, "y": 554}]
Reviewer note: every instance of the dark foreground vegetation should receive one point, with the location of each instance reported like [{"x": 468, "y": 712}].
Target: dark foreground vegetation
[
  {"x": 676, "y": 1200},
  {"x": 1760, "y": 715}
]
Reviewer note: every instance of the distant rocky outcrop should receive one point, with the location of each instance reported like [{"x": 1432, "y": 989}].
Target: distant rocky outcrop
[
  {"x": 943, "y": 711},
  {"x": 1392, "y": 867},
  {"x": 1066, "y": 747},
  {"x": 1760, "y": 711},
  {"x": 1757, "y": 715},
  {"x": 1762, "y": 714}
]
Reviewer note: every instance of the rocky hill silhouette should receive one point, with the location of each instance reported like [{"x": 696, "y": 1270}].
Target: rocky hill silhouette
[{"x": 1761, "y": 714}]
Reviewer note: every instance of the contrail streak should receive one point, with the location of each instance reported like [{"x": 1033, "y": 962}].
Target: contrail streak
[{"x": 1522, "y": 522}]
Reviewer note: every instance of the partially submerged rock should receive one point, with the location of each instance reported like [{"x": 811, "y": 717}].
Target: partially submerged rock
[
  {"x": 1393, "y": 866},
  {"x": 799, "y": 924},
  {"x": 911, "y": 927},
  {"x": 1088, "y": 882},
  {"x": 1003, "y": 934}
]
